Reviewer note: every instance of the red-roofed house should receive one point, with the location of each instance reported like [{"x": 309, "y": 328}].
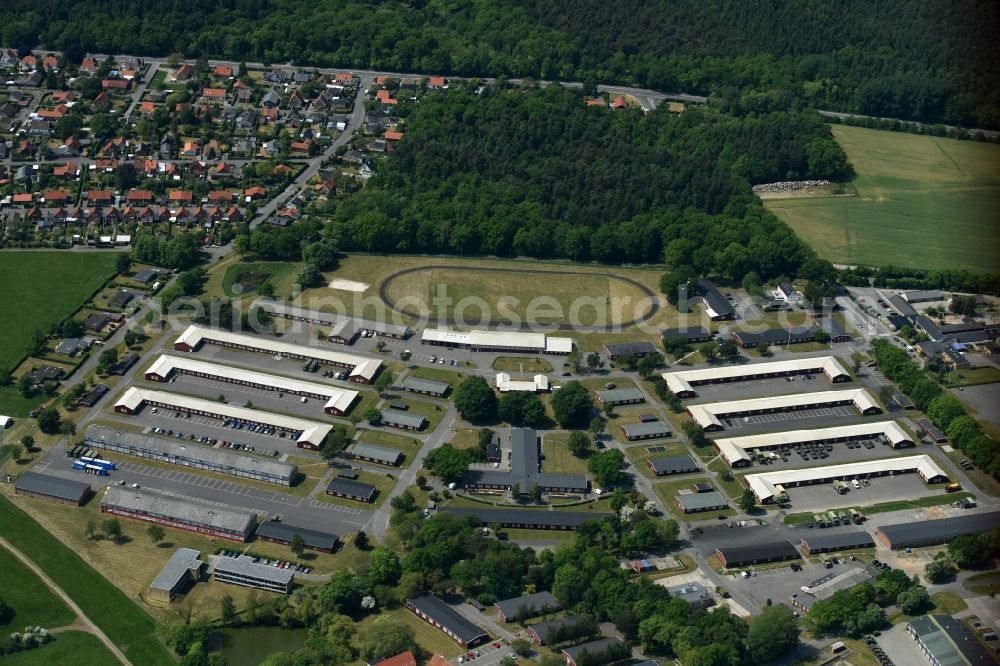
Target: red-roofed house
[
  {"x": 343, "y": 77},
  {"x": 29, "y": 62},
  {"x": 596, "y": 102},
  {"x": 114, "y": 84},
  {"x": 89, "y": 65},
  {"x": 436, "y": 82},
  {"x": 393, "y": 135},
  {"x": 222, "y": 71},
  {"x": 213, "y": 94},
  {"x": 619, "y": 103},
  {"x": 180, "y": 196},
  {"x": 50, "y": 62},
  {"x": 401, "y": 659},
  {"x": 98, "y": 196},
  {"x": 140, "y": 196},
  {"x": 67, "y": 170},
  {"x": 384, "y": 97},
  {"x": 148, "y": 108},
  {"x": 254, "y": 193},
  {"x": 55, "y": 196},
  {"x": 220, "y": 196},
  {"x": 24, "y": 198},
  {"x": 185, "y": 71}
]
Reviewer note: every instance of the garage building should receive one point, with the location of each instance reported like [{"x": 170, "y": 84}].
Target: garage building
[
  {"x": 349, "y": 489},
  {"x": 310, "y": 435},
  {"x": 283, "y": 533},
  {"x": 739, "y": 451},
  {"x": 380, "y": 455},
  {"x": 682, "y": 383},
  {"x": 646, "y": 430},
  {"x": 52, "y": 488},
  {"x": 622, "y": 396},
  {"x": 764, "y": 485},
  {"x": 709, "y": 416},
  {"x": 397, "y": 418},
  {"x": 671, "y": 465},
  {"x": 337, "y": 401},
  {"x": 760, "y": 553},
  {"x": 695, "y": 502},
  {"x": 361, "y": 369},
  {"x": 425, "y": 386},
  {"x": 190, "y": 454},
  {"x": 183, "y": 513}
]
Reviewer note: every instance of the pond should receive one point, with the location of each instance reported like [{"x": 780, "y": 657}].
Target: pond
[{"x": 249, "y": 646}]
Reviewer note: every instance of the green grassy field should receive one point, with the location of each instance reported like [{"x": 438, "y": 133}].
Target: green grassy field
[
  {"x": 43, "y": 288},
  {"x": 922, "y": 202},
  {"x": 521, "y": 364},
  {"x": 558, "y": 457},
  {"x": 33, "y": 603},
  {"x": 70, "y": 647},
  {"x": 245, "y": 278},
  {"x": 125, "y": 623}
]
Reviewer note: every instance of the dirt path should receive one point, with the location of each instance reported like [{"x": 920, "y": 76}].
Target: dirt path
[{"x": 83, "y": 623}]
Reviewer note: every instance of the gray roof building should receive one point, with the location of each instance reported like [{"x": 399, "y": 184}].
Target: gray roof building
[
  {"x": 771, "y": 551},
  {"x": 825, "y": 543},
  {"x": 694, "y": 593},
  {"x": 540, "y": 631},
  {"x": 602, "y": 646},
  {"x": 382, "y": 455},
  {"x": 183, "y": 567},
  {"x": 146, "y": 275},
  {"x": 401, "y": 419},
  {"x": 244, "y": 571},
  {"x": 356, "y": 490},
  {"x": 717, "y": 305},
  {"x": 447, "y": 619},
  {"x": 180, "y": 512},
  {"x": 530, "y": 605},
  {"x": 425, "y": 386},
  {"x": 622, "y": 396},
  {"x": 525, "y": 470},
  {"x": 190, "y": 454},
  {"x": 933, "y": 532},
  {"x": 54, "y": 488},
  {"x": 688, "y": 333},
  {"x": 640, "y": 348},
  {"x": 647, "y": 430},
  {"x": 922, "y": 295},
  {"x": 271, "y": 530},
  {"x": 672, "y": 465},
  {"x": 529, "y": 518},
  {"x": 694, "y": 502},
  {"x": 945, "y": 641}
]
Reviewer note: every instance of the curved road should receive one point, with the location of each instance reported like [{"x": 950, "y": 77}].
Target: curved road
[
  {"x": 383, "y": 292},
  {"x": 89, "y": 626}
]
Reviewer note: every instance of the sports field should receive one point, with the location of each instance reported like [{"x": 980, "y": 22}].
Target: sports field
[
  {"x": 41, "y": 289},
  {"x": 921, "y": 202}
]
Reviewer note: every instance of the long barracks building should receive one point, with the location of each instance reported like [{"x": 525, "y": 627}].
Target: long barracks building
[
  {"x": 739, "y": 451},
  {"x": 709, "y": 416},
  {"x": 525, "y": 471},
  {"x": 338, "y": 324},
  {"x": 361, "y": 369},
  {"x": 682, "y": 383},
  {"x": 181, "y": 512},
  {"x": 501, "y": 341},
  {"x": 191, "y": 455},
  {"x": 337, "y": 401},
  {"x": 308, "y": 434}
]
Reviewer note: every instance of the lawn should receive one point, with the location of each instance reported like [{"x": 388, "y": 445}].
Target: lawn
[
  {"x": 521, "y": 364},
  {"x": 948, "y": 603},
  {"x": 43, "y": 288},
  {"x": 116, "y": 614},
  {"x": 433, "y": 412},
  {"x": 33, "y": 603},
  {"x": 973, "y": 376},
  {"x": 558, "y": 457},
  {"x": 70, "y": 647},
  {"x": 983, "y": 584},
  {"x": 922, "y": 202},
  {"x": 433, "y": 640},
  {"x": 244, "y": 278},
  {"x": 449, "y": 377}
]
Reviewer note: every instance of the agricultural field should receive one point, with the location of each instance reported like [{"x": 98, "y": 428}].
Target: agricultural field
[
  {"x": 42, "y": 289},
  {"x": 917, "y": 201}
]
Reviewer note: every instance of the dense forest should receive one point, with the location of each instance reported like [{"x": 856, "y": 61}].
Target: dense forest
[
  {"x": 539, "y": 173},
  {"x": 927, "y": 61}
]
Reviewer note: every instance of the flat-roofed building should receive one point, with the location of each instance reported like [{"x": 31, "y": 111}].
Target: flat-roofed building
[
  {"x": 530, "y": 519},
  {"x": 307, "y": 434},
  {"x": 622, "y": 396},
  {"x": 245, "y": 572},
  {"x": 437, "y": 613},
  {"x": 361, "y": 369},
  {"x": 932, "y": 431},
  {"x": 599, "y": 652},
  {"x": 764, "y": 485},
  {"x": 919, "y": 533},
  {"x": 525, "y": 471},
  {"x": 826, "y": 543},
  {"x": 760, "y": 553},
  {"x": 528, "y": 605},
  {"x": 694, "y": 593},
  {"x": 828, "y": 585},
  {"x": 425, "y": 386},
  {"x": 354, "y": 490},
  {"x": 182, "y": 569},
  {"x": 190, "y": 455},
  {"x": 671, "y": 465},
  {"x": 295, "y": 313},
  {"x": 397, "y": 418},
  {"x": 739, "y": 451},
  {"x": 922, "y": 296},
  {"x": 536, "y": 384},
  {"x": 380, "y": 455},
  {"x": 283, "y": 533},
  {"x": 181, "y": 512},
  {"x": 689, "y": 334},
  {"x": 52, "y": 488},
  {"x": 645, "y": 430},
  {"x": 709, "y": 416},
  {"x": 501, "y": 341},
  {"x": 682, "y": 383},
  {"x": 615, "y": 351},
  {"x": 695, "y": 502},
  {"x": 337, "y": 401}
]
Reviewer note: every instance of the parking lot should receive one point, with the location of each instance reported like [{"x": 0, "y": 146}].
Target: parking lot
[
  {"x": 484, "y": 655},
  {"x": 777, "y": 420},
  {"x": 882, "y": 489}
]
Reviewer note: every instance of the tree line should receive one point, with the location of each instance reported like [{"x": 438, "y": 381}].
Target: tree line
[{"x": 931, "y": 62}]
